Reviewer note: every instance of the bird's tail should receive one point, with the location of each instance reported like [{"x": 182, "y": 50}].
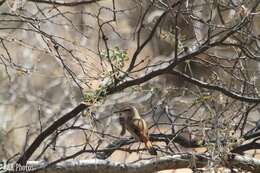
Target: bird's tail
[{"x": 150, "y": 148}]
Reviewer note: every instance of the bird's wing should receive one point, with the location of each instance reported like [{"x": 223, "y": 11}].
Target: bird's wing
[{"x": 138, "y": 129}]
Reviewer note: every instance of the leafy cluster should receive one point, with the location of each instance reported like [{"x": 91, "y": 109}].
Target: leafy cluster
[{"x": 117, "y": 56}]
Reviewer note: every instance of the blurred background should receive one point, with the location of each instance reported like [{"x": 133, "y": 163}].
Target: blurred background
[{"x": 54, "y": 56}]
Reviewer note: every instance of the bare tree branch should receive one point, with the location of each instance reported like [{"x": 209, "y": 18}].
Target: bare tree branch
[
  {"x": 216, "y": 88},
  {"x": 43, "y": 135},
  {"x": 69, "y": 4},
  {"x": 167, "y": 138},
  {"x": 1, "y": 2},
  {"x": 145, "y": 166},
  {"x": 193, "y": 161}
]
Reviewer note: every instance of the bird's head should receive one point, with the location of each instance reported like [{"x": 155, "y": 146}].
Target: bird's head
[{"x": 129, "y": 111}]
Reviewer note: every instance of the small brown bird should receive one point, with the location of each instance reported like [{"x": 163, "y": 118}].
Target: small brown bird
[{"x": 136, "y": 126}]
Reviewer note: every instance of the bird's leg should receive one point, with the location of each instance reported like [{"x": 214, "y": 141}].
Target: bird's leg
[
  {"x": 123, "y": 125},
  {"x": 139, "y": 145}
]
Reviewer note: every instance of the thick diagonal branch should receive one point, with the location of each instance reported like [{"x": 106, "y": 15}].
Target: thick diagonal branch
[{"x": 47, "y": 132}]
